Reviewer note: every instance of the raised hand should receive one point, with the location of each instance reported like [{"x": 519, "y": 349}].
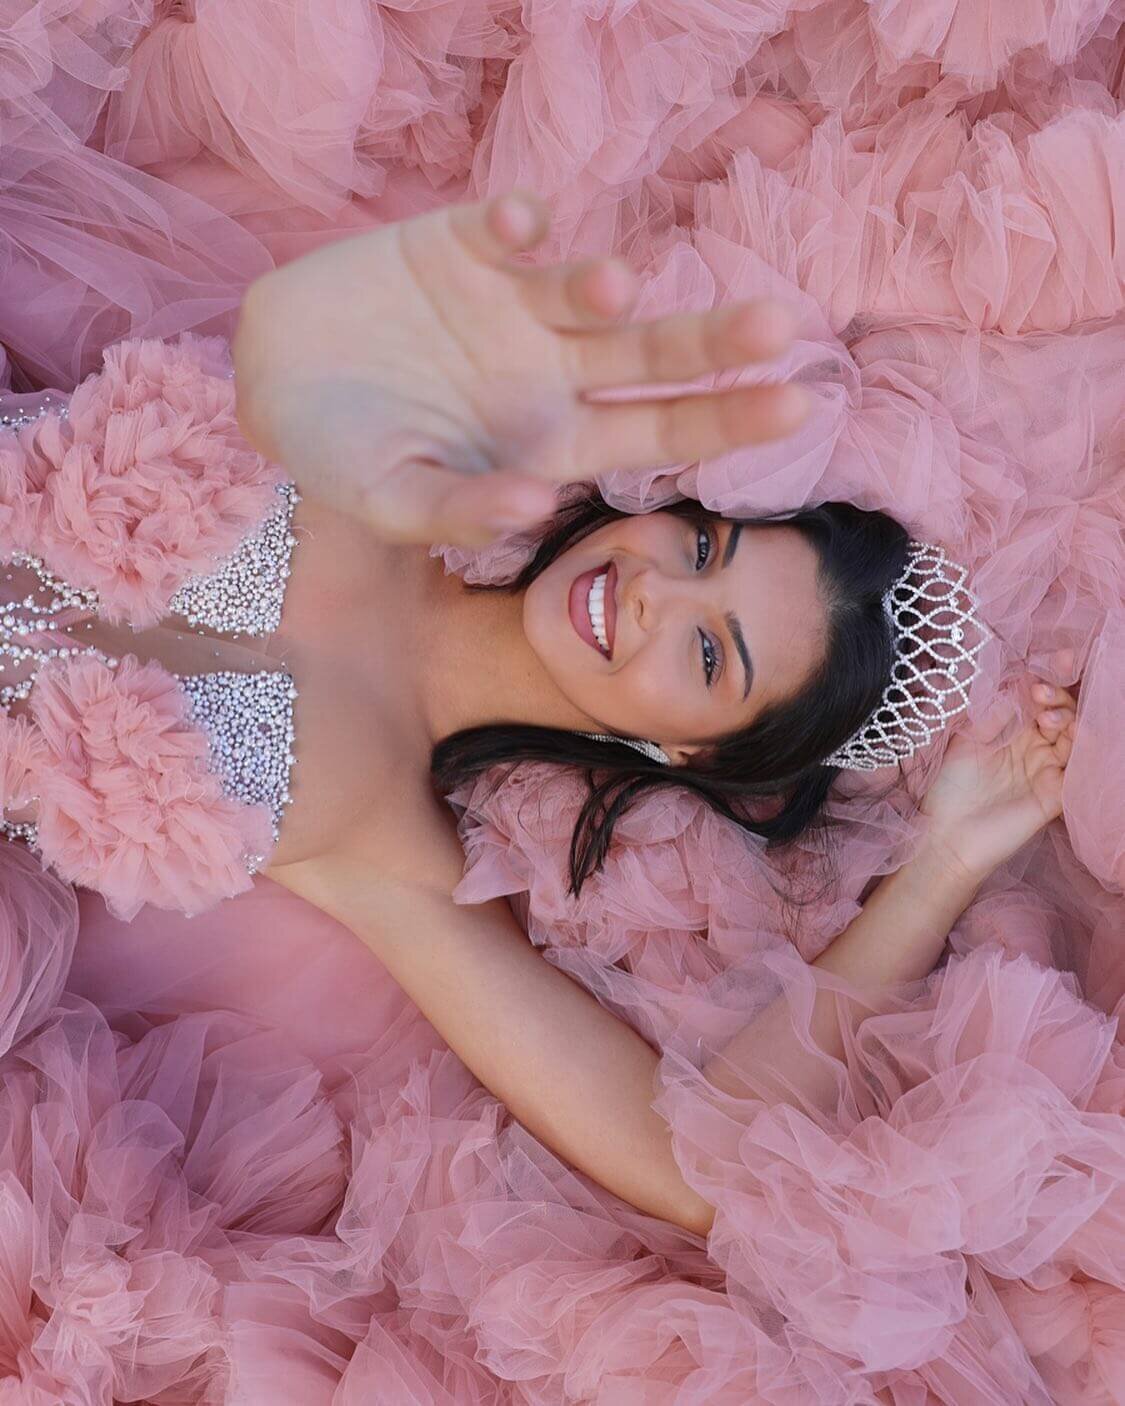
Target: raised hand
[
  {"x": 987, "y": 802},
  {"x": 420, "y": 378}
]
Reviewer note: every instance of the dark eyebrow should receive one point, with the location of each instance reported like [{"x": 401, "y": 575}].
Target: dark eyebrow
[
  {"x": 732, "y": 620},
  {"x": 740, "y": 644}
]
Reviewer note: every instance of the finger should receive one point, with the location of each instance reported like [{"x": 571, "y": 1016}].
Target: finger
[
  {"x": 681, "y": 347},
  {"x": 1064, "y": 745},
  {"x": 1056, "y": 717},
  {"x": 679, "y": 430},
  {"x": 424, "y": 504},
  {"x": 579, "y": 295},
  {"x": 493, "y": 230},
  {"x": 1049, "y": 726},
  {"x": 1050, "y": 694}
]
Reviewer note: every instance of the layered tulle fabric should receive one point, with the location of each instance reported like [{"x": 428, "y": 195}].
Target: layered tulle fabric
[
  {"x": 238, "y": 1165},
  {"x": 138, "y": 483},
  {"x": 141, "y": 481},
  {"x": 128, "y": 803}
]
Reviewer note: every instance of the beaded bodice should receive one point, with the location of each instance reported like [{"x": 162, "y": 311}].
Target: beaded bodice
[{"x": 247, "y": 716}]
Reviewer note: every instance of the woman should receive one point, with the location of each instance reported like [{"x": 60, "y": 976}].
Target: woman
[
  {"x": 578, "y": 1078},
  {"x": 743, "y": 660}
]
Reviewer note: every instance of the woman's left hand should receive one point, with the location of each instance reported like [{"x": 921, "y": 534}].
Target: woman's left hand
[{"x": 987, "y": 802}]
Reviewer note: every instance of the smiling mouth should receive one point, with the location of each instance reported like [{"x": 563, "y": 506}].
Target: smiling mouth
[
  {"x": 595, "y": 606},
  {"x": 592, "y": 606}
]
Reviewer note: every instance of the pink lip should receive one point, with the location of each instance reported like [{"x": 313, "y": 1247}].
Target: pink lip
[{"x": 577, "y": 603}]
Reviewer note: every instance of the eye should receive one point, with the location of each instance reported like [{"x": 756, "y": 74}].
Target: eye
[
  {"x": 702, "y": 547},
  {"x": 712, "y": 657},
  {"x": 710, "y": 650}
]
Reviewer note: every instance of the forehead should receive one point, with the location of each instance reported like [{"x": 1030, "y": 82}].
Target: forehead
[
  {"x": 782, "y": 551},
  {"x": 774, "y": 590}
]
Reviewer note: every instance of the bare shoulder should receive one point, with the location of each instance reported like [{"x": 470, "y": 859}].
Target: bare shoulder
[{"x": 408, "y": 844}]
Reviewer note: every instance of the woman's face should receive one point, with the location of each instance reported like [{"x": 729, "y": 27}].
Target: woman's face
[{"x": 659, "y": 628}]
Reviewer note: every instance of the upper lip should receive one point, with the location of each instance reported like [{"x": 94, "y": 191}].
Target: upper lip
[{"x": 609, "y": 607}]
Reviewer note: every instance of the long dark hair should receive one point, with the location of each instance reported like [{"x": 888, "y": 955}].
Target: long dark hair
[{"x": 770, "y": 777}]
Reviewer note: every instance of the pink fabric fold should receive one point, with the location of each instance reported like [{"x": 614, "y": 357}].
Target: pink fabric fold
[
  {"x": 128, "y": 803},
  {"x": 140, "y": 481},
  {"x": 236, "y": 1164},
  {"x": 143, "y": 482}
]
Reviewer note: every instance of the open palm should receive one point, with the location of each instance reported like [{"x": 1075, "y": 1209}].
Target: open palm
[
  {"x": 418, "y": 376},
  {"x": 987, "y": 801}
]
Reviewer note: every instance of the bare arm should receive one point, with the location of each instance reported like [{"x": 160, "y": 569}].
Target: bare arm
[
  {"x": 573, "y": 1074},
  {"x": 576, "y": 1076},
  {"x": 898, "y": 937}
]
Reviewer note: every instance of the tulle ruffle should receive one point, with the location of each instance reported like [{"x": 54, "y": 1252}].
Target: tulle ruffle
[
  {"x": 341, "y": 1213},
  {"x": 133, "y": 1166},
  {"x": 144, "y": 482},
  {"x": 962, "y": 1132},
  {"x": 139, "y": 483},
  {"x": 128, "y": 802}
]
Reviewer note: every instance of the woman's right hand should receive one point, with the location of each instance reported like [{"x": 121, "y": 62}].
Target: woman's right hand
[
  {"x": 419, "y": 378},
  {"x": 987, "y": 802}
]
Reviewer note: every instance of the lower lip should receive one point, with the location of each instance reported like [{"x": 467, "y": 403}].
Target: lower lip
[{"x": 579, "y": 607}]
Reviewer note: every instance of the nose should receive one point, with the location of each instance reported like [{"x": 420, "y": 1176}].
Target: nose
[{"x": 653, "y": 597}]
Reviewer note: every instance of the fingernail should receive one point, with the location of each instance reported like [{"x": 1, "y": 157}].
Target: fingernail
[
  {"x": 517, "y": 217},
  {"x": 1054, "y": 716}
]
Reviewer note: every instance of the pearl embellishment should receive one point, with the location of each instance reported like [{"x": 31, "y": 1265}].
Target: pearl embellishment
[{"x": 248, "y": 717}]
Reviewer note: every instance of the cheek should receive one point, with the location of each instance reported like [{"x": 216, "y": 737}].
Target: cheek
[
  {"x": 656, "y": 691},
  {"x": 566, "y": 660}
]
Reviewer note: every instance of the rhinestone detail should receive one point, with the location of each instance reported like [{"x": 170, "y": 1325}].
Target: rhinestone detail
[
  {"x": 931, "y": 611},
  {"x": 22, "y": 621},
  {"x": 249, "y": 718},
  {"x": 16, "y": 422},
  {"x": 246, "y": 593}
]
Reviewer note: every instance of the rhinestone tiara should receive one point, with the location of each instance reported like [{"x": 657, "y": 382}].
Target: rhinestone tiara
[{"x": 938, "y": 636}]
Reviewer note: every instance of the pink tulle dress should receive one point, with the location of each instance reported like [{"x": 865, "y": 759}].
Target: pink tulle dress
[
  {"x": 237, "y": 1165},
  {"x": 134, "y": 503}
]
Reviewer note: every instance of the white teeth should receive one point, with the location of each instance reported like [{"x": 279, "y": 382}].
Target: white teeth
[{"x": 595, "y": 604}]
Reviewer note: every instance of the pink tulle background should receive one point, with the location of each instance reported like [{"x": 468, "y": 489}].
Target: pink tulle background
[{"x": 237, "y": 1165}]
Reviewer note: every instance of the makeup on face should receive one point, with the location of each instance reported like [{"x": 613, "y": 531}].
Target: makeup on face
[
  {"x": 667, "y": 603},
  {"x": 592, "y": 605}
]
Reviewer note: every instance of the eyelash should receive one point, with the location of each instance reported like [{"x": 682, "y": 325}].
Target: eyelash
[
  {"x": 712, "y": 654},
  {"x": 704, "y": 536}
]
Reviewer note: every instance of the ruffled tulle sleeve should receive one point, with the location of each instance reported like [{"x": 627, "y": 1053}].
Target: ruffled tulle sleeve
[
  {"x": 139, "y": 481},
  {"x": 966, "y": 1129},
  {"x": 129, "y": 488},
  {"x": 197, "y": 1208}
]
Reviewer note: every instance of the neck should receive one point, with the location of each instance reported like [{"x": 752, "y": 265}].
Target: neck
[{"x": 475, "y": 666}]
